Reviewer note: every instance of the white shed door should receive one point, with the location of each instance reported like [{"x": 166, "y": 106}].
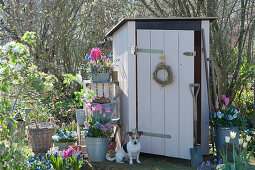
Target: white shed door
[{"x": 166, "y": 110}]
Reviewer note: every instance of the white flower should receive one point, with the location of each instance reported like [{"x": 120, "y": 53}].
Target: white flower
[
  {"x": 3, "y": 62},
  {"x": 55, "y": 138},
  {"x": 15, "y": 49},
  {"x": 79, "y": 78},
  {"x": 240, "y": 141},
  {"x": 248, "y": 138},
  {"x": 245, "y": 144},
  {"x": 232, "y": 134},
  {"x": 235, "y": 116},
  {"x": 1, "y": 70},
  {"x": 227, "y": 139},
  {"x": 12, "y": 43}
]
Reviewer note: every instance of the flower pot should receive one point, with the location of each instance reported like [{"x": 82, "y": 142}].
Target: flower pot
[
  {"x": 101, "y": 77},
  {"x": 96, "y": 148},
  {"x": 63, "y": 146},
  {"x": 220, "y": 143},
  {"x": 75, "y": 147},
  {"x": 80, "y": 116}
]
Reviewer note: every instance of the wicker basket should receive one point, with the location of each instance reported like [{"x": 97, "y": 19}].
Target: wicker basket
[{"x": 40, "y": 135}]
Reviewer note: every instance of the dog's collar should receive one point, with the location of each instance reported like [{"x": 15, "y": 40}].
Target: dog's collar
[{"x": 125, "y": 148}]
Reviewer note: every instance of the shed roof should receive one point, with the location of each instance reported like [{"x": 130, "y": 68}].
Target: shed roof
[{"x": 123, "y": 21}]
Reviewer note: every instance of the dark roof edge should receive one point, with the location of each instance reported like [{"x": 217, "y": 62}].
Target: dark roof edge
[{"x": 123, "y": 21}]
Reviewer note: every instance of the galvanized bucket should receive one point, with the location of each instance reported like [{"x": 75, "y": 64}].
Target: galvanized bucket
[
  {"x": 221, "y": 132},
  {"x": 96, "y": 148},
  {"x": 80, "y": 116},
  {"x": 101, "y": 77}
]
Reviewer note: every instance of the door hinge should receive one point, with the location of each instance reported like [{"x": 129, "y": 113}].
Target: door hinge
[
  {"x": 135, "y": 50},
  {"x": 190, "y": 53}
]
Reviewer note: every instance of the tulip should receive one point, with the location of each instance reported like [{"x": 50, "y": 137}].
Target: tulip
[
  {"x": 248, "y": 138},
  {"x": 227, "y": 139},
  {"x": 245, "y": 144},
  {"x": 240, "y": 141},
  {"x": 233, "y": 134}
]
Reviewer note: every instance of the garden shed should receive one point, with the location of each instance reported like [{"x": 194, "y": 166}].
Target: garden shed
[{"x": 164, "y": 112}]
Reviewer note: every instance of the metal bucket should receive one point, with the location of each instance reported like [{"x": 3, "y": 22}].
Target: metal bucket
[
  {"x": 96, "y": 148},
  {"x": 101, "y": 77},
  {"x": 80, "y": 116},
  {"x": 221, "y": 132}
]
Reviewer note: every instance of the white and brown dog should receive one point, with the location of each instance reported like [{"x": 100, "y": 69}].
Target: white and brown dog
[{"x": 130, "y": 150}]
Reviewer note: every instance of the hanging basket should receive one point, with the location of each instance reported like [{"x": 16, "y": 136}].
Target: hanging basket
[
  {"x": 101, "y": 76},
  {"x": 40, "y": 135}
]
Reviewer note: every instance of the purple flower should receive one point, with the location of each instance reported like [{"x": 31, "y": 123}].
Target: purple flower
[
  {"x": 226, "y": 101},
  {"x": 223, "y": 97},
  {"x": 217, "y": 104}
]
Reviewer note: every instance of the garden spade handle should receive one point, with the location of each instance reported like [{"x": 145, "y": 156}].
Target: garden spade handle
[{"x": 194, "y": 96}]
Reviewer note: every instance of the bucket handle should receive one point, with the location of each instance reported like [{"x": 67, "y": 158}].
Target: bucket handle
[{"x": 33, "y": 121}]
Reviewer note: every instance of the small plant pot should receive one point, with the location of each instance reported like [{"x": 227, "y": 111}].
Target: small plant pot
[
  {"x": 63, "y": 146},
  {"x": 101, "y": 77}
]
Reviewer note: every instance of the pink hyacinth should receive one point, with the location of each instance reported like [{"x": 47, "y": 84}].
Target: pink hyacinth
[
  {"x": 95, "y": 54},
  {"x": 108, "y": 109},
  {"x": 88, "y": 105},
  {"x": 217, "y": 104},
  {"x": 67, "y": 153}
]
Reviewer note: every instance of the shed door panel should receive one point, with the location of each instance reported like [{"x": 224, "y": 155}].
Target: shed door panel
[{"x": 166, "y": 110}]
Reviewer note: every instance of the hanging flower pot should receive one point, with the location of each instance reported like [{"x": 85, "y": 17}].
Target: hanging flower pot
[{"x": 101, "y": 76}]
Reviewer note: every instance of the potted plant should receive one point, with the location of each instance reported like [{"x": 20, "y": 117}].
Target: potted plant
[
  {"x": 226, "y": 118},
  {"x": 99, "y": 67},
  {"x": 97, "y": 131},
  {"x": 65, "y": 136}
]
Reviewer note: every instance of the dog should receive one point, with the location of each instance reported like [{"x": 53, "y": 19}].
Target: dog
[{"x": 130, "y": 150}]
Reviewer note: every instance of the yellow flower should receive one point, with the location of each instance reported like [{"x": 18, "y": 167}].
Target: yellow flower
[
  {"x": 245, "y": 144},
  {"x": 227, "y": 139},
  {"x": 240, "y": 141},
  {"x": 248, "y": 138},
  {"x": 233, "y": 134}
]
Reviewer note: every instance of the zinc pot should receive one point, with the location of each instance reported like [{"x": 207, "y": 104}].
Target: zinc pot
[
  {"x": 220, "y": 143},
  {"x": 63, "y": 146},
  {"x": 101, "y": 77},
  {"x": 96, "y": 148},
  {"x": 80, "y": 116}
]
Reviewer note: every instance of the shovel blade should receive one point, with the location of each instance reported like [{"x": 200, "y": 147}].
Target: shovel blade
[{"x": 196, "y": 156}]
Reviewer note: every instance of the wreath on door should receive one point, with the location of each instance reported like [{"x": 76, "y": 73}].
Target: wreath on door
[{"x": 169, "y": 79}]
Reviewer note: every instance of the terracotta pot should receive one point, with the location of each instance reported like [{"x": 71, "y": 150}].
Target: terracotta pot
[{"x": 75, "y": 147}]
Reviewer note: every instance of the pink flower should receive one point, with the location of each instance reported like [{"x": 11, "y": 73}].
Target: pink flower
[
  {"x": 226, "y": 101},
  {"x": 100, "y": 111},
  {"x": 104, "y": 115},
  {"x": 223, "y": 107},
  {"x": 90, "y": 112},
  {"x": 86, "y": 124},
  {"x": 107, "y": 60},
  {"x": 94, "y": 108},
  {"x": 108, "y": 109},
  {"x": 223, "y": 97},
  {"x": 67, "y": 153},
  {"x": 88, "y": 105},
  {"x": 95, "y": 53},
  {"x": 233, "y": 103},
  {"x": 217, "y": 104}
]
